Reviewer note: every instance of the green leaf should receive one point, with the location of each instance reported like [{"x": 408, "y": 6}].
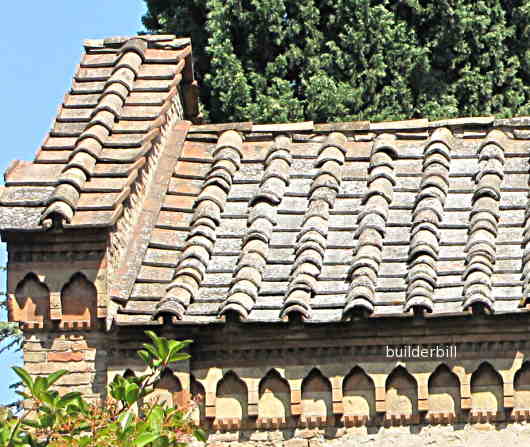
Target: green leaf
[
  {"x": 54, "y": 377},
  {"x": 163, "y": 441},
  {"x": 155, "y": 418},
  {"x": 47, "y": 398},
  {"x": 24, "y": 376},
  {"x": 117, "y": 388},
  {"x": 83, "y": 441},
  {"x": 200, "y": 435},
  {"x": 31, "y": 423},
  {"x": 69, "y": 398},
  {"x": 46, "y": 420},
  {"x": 126, "y": 419},
  {"x": 177, "y": 357},
  {"x": 157, "y": 342},
  {"x": 144, "y": 355},
  {"x": 164, "y": 354},
  {"x": 39, "y": 387},
  {"x": 146, "y": 438},
  {"x": 152, "y": 350},
  {"x": 131, "y": 393}
]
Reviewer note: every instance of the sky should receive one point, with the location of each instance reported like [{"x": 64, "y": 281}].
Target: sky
[{"x": 41, "y": 45}]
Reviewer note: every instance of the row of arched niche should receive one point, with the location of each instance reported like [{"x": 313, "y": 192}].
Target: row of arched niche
[
  {"x": 274, "y": 404},
  {"x": 77, "y": 306}
]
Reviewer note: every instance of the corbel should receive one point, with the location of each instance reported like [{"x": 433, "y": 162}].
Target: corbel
[
  {"x": 296, "y": 396},
  {"x": 210, "y": 390},
  {"x": 253, "y": 397},
  {"x": 380, "y": 399},
  {"x": 423, "y": 391},
  {"x": 209, "y": 405},
  {"x": 465, "y": 392},
  {"x": 337, "y": 395}
]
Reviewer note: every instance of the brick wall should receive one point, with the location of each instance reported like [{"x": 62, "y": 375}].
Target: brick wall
[{"x": 81, "y": 353}]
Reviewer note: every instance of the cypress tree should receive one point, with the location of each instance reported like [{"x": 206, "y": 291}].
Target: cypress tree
[{"x": 338, "y": 60}]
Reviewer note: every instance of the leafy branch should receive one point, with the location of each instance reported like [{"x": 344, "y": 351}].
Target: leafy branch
[{"x": 126, "y": 419}]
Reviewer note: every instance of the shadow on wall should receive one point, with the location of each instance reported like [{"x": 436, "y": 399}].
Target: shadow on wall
[
  {"x": 401, "y": 397},
  {"x": 231, "y": 404},
  {"x": 32, "y": 302},
  {"x": 274, "y": 399},
  {"x": 78, "y": 302},
  {"x": 444, "y": 396},
  {"x": 487, "y": 397},
  {"x": 35, "y": 307},
  {"x": 358, "y": 397},
  {"x": 277, "y": 398},
  {"x": 522, "y": 389},
  {"x": 317, "y": 406}
]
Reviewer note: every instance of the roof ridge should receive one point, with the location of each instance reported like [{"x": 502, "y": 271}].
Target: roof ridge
[
  {"x": 363, "y": 125},
  {"x": 152, "y": 41},
  {"x": 89, "y": 145}
]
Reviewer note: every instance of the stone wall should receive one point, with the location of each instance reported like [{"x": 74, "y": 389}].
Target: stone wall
[{"x": 414, "y": 436}]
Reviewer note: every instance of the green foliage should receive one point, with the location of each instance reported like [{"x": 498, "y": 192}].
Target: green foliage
[
  {"x": 10, "y": 336},
  {"x": 10, "y": 333},
  {"x": 128, "y": 419},
  {"x": 330, "y": 60}
]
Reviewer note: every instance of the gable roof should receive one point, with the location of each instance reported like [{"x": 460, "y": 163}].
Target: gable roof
[
  {"x": 115, "y": 108},
  {"x": 266, "y": 222}
]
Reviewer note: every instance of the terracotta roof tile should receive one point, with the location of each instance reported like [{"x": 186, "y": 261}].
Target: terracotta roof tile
[
  {"x": 262, "y": 223},
  {"x": 121, "y": 91},
  {"x": 387, "y": 231}
]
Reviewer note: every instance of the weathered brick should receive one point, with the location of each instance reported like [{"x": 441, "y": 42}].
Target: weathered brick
[
  {"x": 70, "y": 366},
  {"x": 82, "y": 378},
  {"x": 80, "y": 345},
  {"x": 34, "y": 356},
  {"x": 32, "y": 346},
  {"x": 34, "y": 368},
  {"x": 61, "y": 345},
  {"x": 297, "y": 443},
  {"x": 45, "y": 368},
  {"x": 90, "y": 354},
  {"x": 68, "y": 356}
]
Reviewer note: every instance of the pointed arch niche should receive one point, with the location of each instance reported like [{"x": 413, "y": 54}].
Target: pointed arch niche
[
  {"x": 128, "y": 373},
  {"x": 401, "y": 396},
  {"x": 358, "y": 395},
  {"x": 31, "y": 304},
  {"x": 168, "y": 390},
  {"x": 521, "y": 385},
  {"x": 316, "y": 397},
  {"x": 444, "y": 395},
  {"x": 232, "y": 398},
  {"x": 274, "y": 397},
  {"x": 486, "y": 391},
  {"x": 198, "y": 396},
  {"x": 78, "y": 302}
]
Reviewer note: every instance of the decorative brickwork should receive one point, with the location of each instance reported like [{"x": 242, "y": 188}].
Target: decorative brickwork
[{"x": 301, "y": 259}]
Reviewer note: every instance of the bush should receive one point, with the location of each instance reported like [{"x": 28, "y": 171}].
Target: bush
[{"x": 125, "y": 419}]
